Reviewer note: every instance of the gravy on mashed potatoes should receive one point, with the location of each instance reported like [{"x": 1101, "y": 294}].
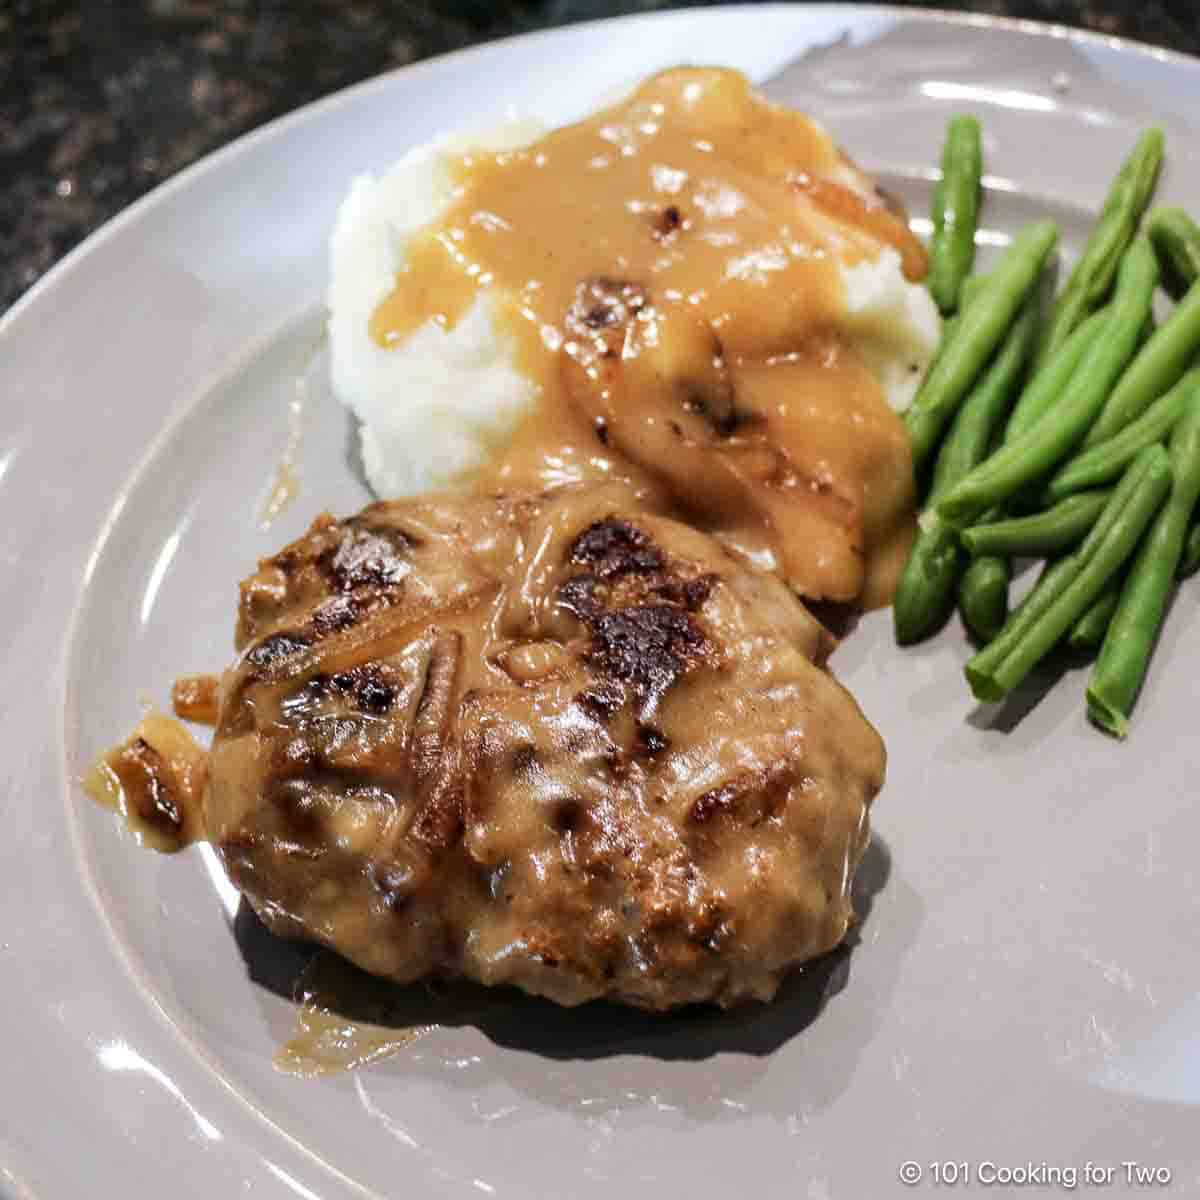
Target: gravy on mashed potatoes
[{"x": 687, "y": 284}]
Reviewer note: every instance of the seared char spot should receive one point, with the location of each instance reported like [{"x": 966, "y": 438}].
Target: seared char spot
[
  {"x": 650, "y": 741},
  {"x": 274, "y": 649},
  {"x": 334, "y": 616},
  {"x": 376, "y": 697},
  {"x": 637, "y": 609},
  {"x": 578, "y": 596},
  {"x": 366, "y": 557},
  {"x": 366, "y": 688},
  {"x": 568, "y": 815},
  {"x": 689, "y": 593},
  {"x": 646, "y": 645},
  {"x": 524, "y": 759},
  {"x": 612, "y": 548}
]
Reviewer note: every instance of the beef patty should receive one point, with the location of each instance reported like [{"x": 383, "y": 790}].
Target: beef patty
[{"x": 551, "y": 742}]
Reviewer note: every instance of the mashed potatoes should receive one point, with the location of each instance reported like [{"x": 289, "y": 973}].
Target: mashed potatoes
[
  {"x": 434, "y": 406},
  {"x": 430, "y": 408}
]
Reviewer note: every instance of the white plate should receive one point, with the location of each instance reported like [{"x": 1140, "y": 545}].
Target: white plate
[{"x": 1025, "y": 987}]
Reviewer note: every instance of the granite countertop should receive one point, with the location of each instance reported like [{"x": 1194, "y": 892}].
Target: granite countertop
[{"x": 101, "y": 100}]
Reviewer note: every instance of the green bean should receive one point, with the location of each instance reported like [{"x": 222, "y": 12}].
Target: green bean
[
  {"x": 1090, "y": 629},
  {"x": 1189, "y": 561},
  {"x": 1044, "y": 533},
  {"x": 1025, "y": 641},
  {"x": 1105, "y": 461},
  {"x": 1053, "y": 375},
  {"x": 1130, "y": 640},
  {"x": 983, "y": 596},
  {"x": 1158, "y": 365},
  {"x": 981, "y": 414},
  {"x": 925, "y": 594},
  {"x": 983, "y": 590},
  {"x": 970, "y": 291},
  {"x": 1028, "y": 457},
  {"x": 1053, "y": 581},
  {"x": 982, "y": 326},
  {"x": 955, "y": 212},
  {"x": 1150, "y": 327},
  {"x": 971, "y": 288},
  {"x": 1176, "y": 237},
  {"x": 1092, "y": 279}
]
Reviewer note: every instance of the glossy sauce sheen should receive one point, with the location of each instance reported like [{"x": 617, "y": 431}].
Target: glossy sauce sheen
[
  {"x": 668, "y": 272},
  {"x": 554, "y": 742},
  {"x": 155, "y": 780},
  {"x": 347, "y": 1019}
]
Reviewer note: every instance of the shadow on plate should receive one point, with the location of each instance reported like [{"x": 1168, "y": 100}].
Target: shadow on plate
[
  {"x": 1006, "y": 715},
  {"x": 298, "y": 971}
]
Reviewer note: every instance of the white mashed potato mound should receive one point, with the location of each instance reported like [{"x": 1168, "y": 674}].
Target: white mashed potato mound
[
  {"x": 894, "y": 325},
  {"x": 433, "y": 408}
]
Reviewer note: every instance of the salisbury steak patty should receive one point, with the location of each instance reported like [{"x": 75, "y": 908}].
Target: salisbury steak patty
[{"x": 551, "y": 742}]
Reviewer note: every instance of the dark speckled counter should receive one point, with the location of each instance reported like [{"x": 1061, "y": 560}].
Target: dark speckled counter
[{"x": 100, "y": 101}]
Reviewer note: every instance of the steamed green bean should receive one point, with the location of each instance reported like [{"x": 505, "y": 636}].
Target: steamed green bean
[
  {"x": 1130, "y": 509},
  {"x": 1176, "y": 238},
  {"x": 1040, "y": 534},
  {"x": 1125, "y": 655},
  {"x": 982, "y": 326},
  {"x": 1092, "y": 278},
  {"x": 925, "y": 594},
  {"x": 1157, "y": 366},
  {"x": 983, "y": 596},
  {"x": 1088, "y": 632},
  {"x": 955, "y": 212},
  {"x": 1106, "y": 460},
  {"x": 1027, "y": 458}
]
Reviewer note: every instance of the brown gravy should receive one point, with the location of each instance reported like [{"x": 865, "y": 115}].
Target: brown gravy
[
  {"x": 668, "y": 272},
  {"x": 347, "y": 1018}
]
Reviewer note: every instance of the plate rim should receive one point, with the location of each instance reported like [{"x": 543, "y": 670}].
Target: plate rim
[{"x": 247, "y": 143}]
